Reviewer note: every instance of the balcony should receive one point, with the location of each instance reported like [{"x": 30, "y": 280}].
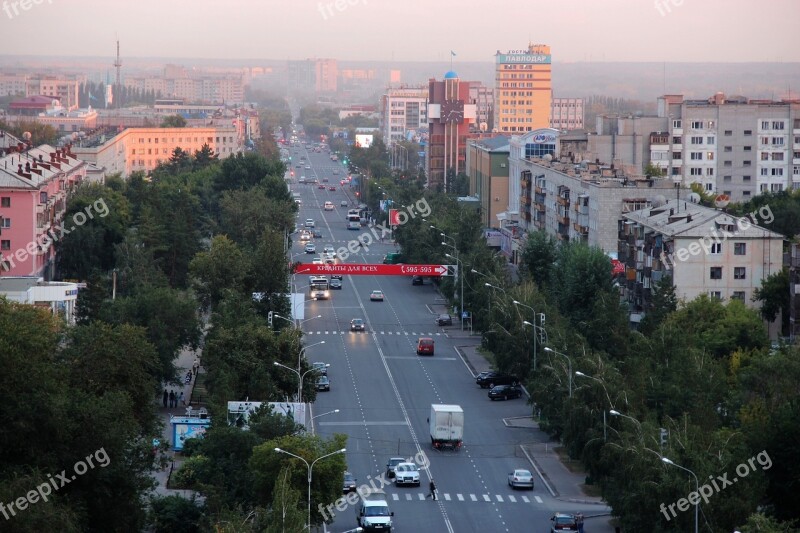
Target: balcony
[
  {"x": 564, "y": 221},
  {"x": 561, "y": 200},
  {"x": 539, "y": 190},
  {"x": 583, "y": 230},
  {"x": 525, "y": 200},
  {"x": 539, "y": 207}
]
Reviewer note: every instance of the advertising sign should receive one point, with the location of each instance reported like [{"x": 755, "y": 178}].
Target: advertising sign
[
  {"x": 363, "y": 141},
  {"x": 394, "y": 217}
]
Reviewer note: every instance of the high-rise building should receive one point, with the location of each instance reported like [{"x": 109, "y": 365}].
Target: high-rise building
[
  {"x": 523, "y": 89},
  {"x": 402, "y": 110},
  {"x": 449, "y": 118},
  {"x": 483, "y": 98},
  {"x": 313, "y": 75}
]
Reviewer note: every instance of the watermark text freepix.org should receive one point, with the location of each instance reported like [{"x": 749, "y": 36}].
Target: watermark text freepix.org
[
  {"x": 717, "y": 484},
  {"x": 663, "y": 6},
  {"x": 98, "y": 458},
  {"x": 363, "y": 491},
  {"x": 12, "y": 8},
  {"x": 43, "y": 241},
  {"x": 365, "y": 240},
  {"x": 712, "y": 242},
  {"x": 326, "y": 8}
]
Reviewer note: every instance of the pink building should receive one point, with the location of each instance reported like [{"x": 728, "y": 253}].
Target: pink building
[{"x": 34, "y": 184}]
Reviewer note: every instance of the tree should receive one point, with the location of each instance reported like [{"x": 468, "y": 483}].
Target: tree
[
  {"x": 653, "y": 171},
  {"x": 538, "y": 256},
  {"x": 204, "y": 156},
  {"x": 286, "y": 513},
  {"x": 175, "y": 514},
  {"x": 223, "y": 267},
  {"x": 664, "y": 302},
  {"x": 774, "y": 297},
  {"x": 173, "y": 121},
  {"x": 91, "y": 299}
]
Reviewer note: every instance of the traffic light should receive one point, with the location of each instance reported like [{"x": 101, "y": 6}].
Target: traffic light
[
  {"x": 663, "y": 437},
  {"x": 358, "y": 194}
]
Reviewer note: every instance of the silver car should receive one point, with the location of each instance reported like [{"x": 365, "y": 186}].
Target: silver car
[{"x": 520, "y": 478}]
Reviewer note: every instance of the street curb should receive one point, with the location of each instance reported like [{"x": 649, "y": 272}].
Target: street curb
[
  {"x": 540, "y": 472},
  {"x": 466, "y": 361}
]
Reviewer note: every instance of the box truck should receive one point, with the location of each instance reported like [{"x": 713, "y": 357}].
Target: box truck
[{"x": 446, "y": 426}]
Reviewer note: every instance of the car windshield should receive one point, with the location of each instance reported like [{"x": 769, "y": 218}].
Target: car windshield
[
  {"x": 522, "y": 473},
  {"x": 564, "y": 520},
  {"x": 377, "y": 511},
  {"x": 407, "y": 468}
]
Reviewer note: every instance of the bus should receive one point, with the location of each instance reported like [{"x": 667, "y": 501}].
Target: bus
[{"x": 318, "y": 288}]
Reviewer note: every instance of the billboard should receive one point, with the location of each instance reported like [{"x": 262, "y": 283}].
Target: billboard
[
  {"x": 364, "y": 141},
  {"x": 239, "y": 412},
  {"x": 394, "y": 217}
]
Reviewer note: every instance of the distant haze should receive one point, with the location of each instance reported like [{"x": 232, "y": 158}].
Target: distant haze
[{"x": 407, "y": 30}]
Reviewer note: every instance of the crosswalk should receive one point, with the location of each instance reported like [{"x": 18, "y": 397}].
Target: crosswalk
[
  {"x": 377, "y": 332},
  {"x": 473, "y": 498}
]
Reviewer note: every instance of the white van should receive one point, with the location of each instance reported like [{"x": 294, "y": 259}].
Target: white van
[{"x": 372, "y": 512}]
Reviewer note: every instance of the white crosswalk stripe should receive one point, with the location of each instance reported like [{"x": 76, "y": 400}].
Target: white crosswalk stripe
[
  {"x": 422, "y": 496},
  {"x": 525, "y": 499},
  {"x": 460, "y": 497},
  {"x": 396, "y": 497},
  {"x": 486, "y": 498},
  {"x": 499, "y": 498},
  {"x": 538, "y": 499},
  {"x": 512, "y": 499},
  {"x": 447, "y": 496},
  {"x": 408, "y": 497},
  {"x": 473, "y": 497}
]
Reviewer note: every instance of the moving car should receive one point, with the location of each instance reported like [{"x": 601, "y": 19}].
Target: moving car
[
  {"x": 320, "y": 367},
  {"x": 324, "y": 180},
  {"x": 406, "y": 474},
  {"x": 343, "y": 203},
  {"x": 376, "y": 296},
  {"x": 505, "y": 392},
  {"x": 310, "y": 223},
  {"x": 335, "y": 172},
  {"x": 563, "y": 523},
  {"x": 349, "y": 484},
  {"x": 311, "y": 248},
  {"x": 416, "y": 280},
  {"x": 323, "y": 383},
  {"x": 357, "y": 325},
  {"x": 308, "y": 167},
  {"x": 520, "y": 478},
  {"x": 331, "y": 188},
  {"x": 321, "y": 187},
  {"x": 328, "y": 206},
  {"x": 444, "y": 320},
  {"x": 328, "y": 249},
  {"x": 316, "y": 233},
  {"x": 305, "y": 236},
  {"x": 492, "y": 379},
  {"x": 425, "y": 346},
  {"x": 393, "y": 462},
  {"x": 336, "y": 284},
  {"x": 336, "y": 276}
]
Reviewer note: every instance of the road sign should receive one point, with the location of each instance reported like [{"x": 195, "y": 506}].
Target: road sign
[{"x": 356, "y": 269}]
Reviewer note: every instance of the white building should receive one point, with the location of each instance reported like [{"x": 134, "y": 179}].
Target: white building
[
  {"x": 706, "y": 251},
  {"x": 566, "y": 113},
  {"x": 402, "y": 110},
  {"x": 57, "y": 296}
]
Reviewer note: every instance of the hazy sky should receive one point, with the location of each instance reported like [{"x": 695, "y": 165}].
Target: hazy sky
[{"x": 406, "y": 30}]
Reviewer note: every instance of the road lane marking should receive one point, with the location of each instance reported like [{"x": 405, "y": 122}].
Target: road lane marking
[
  {"x": 473, "y": 497},
  {"x": 395, "y": 497},
  {"x": 499, "y": 498},
  {"x": 538, "y": 499},
  {"x": 408, "y": 497},
  {"x": 526, "y": 500},
  {"x": 447, "y": 496},
  {"x": 512, "y": 499},
  {"x": 365, "y": 423},
  {"x": 421, "y": 496},
  {"x": 486, "y": 498},
  {"x": 460, "y": 497}
]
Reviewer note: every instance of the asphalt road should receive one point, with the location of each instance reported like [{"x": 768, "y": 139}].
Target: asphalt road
[{"x": 383, "y": 391}]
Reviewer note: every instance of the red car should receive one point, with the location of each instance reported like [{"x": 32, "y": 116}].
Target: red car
[
  {"x": 321, "y": 187},
  {"x": 331, "y": 188}
]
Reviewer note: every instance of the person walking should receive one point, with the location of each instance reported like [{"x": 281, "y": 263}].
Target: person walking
[
  {"x": 432, "y": 486},
  {"x": 579, "y": 522},
  {"x": 166, "y": 397},
  {"x": 171, "y": 399},
  {"x": 181, "y": 399},
  {"x": 196, "y": 365}
]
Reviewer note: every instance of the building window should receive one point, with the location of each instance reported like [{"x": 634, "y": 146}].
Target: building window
[
  {"x": 697, "y": 124},
  {"x": 5, "y": 201},
  {"x": 745, "y": 178},
  {"x": 5, "y": 245},
  {"x": 777, "y": 125},
  {"x": 695, "y": 171},
  {"x": 696, "y": 156},
  {"x": 43, "y": 197},
  {"x": 746, "y": 193},
  {"x": 676, "y": 124},
  {"x": 709, "y": 156},
  {"x": 746, "y": 163},
  {"x": 765, "y": 124},
  {"x": 739, "y": 273},
  {"x": 748, "y": 132},
  {"x": 729, "y": 148},
  {"x": 715, "y": 295},
  {"x": 709, "y": 187},
  {"x": 728, "y": 133},
  {"x": 697, "y": 140},
  {"x": 677, "y": 140},
  {"x": 727, "y": 163},
  {"x": 5, "y": 222},
  {"x": 739, "y": 248},
  {"x": 738, "y": 295},
  {"x": 716, "y": 248},
  {"x": 715, "y": 273},
  {"x": 709, "y": 171},
  {"x": 676, "y": 155},
  {"x": 727, "y": 179},
  {"x": 710, "y": 140},
  {"x": 748, "y": 148}
]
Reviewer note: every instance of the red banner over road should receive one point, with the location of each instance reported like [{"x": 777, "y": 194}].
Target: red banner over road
[{"x": 355, "y": 269}]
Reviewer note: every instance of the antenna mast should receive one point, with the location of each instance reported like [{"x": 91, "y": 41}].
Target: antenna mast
[{"x": 118, "y": 66}]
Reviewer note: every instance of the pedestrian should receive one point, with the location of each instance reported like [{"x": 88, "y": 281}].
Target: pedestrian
[
  {"x": 579, "y": 522},
  {"x": 188, "y": 377},
  {"x": 172, "y": 398},
  {"x": 433, "y": 490},
  {"x": 181, "y": 399},
  {"x": 196, "y": 365},
  {"x": 166, "y": 397}
]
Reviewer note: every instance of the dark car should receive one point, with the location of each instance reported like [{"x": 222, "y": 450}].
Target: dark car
[
  {"x": 349, "y": 484},
  {"x": 393, "y": 462},
  {"x": 505, "y": 392},
  {"x": 324, "y": 180},
  {"x": 492, "y": 379},
  {"x": 563, "y": 523},
  {"x": 336, "y": 284},
  {"x": 336, "y": 276},
  {"x": 444, "y": 320},
  {"x": 316, "y": 233},
  {"x": 416, "y": 280}
]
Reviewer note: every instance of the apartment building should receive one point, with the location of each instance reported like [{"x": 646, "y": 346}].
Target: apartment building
[
  {"x": 523, "y": 89},
  {"x": 733, "y": 145},
  {"x": 704, "y": 250},
  {"x": 573, "y": 202},
  {"x": 483, "y": 98},
  {"x": 403, "y": 110},
  {"x": 34, "y": 185},
  {"x": 317, "y": 75},
  {"x": 142, "y": 149},
  {"x": 487, "y": 169},
  {"x": 566, "y": 114},
  {"x": 200, "y": 88},
  {"x": 64, "y": 89}
]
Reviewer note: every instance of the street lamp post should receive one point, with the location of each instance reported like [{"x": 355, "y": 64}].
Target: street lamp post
[
  {"x": 461, "y": 280},
  {"x": 546, "y": 349},
  {"x": 535, "y": 326},
  {"x": 696, "y": 488},
  {"x": 600, "y": 381},
  {"x": 299, "y": 375},
  {"x": 310, "y": 468},
  {"x": 317, "y": 416}
]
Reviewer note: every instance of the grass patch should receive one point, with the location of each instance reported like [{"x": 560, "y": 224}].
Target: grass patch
[
  {"x": 572, "y": 465},
  {"x": 487, "y": 354}
]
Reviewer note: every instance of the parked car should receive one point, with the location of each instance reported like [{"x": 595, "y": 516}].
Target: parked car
[
  {"x": 349, "y": 484},
  {"x": 393, "y": 462},
  {"x": 335, "y": 284},
  {"x": 505, "y": 392},
  {"x": 563, "y": 523},
  {"x": 425, "y": 346},
  {"x": 416, "y": 280},
  {"x": 357, "y": 325},
  {"x": 320, "y": 367},
  {"x": 520, "y": 478},
  {"x": 323, "y": 383},
  {"x": 376, "y": 296},
  {"x": 493, "y": 379},
  {"x": 444, "y": 320}
]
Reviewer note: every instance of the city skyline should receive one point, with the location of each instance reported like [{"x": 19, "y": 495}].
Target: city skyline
[{"x": 352, "y": 30}]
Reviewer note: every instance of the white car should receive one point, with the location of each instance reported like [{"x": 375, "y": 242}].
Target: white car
[
  {"x": 329, "y": 250},
  {"x": 305, "y": 236},
  {"x": 520, "y": 478},
  {"x": 376, "y": 296},
  {"x": 406, "y": 474},
  {"x": 309, "y": 222},
  {"x": 328, "y": 206},
  {"x": 311, "y": 248}
]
